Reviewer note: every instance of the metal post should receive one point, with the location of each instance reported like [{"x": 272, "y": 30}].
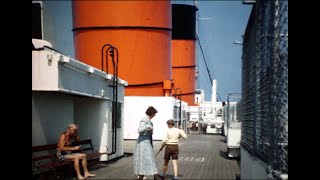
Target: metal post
[
  {"x": 228, "y": 111},
  {"x": 179, "y": 97},
  {"x": 180, "y": 111}
]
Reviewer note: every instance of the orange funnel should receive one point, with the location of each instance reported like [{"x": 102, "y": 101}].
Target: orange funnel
[
  {"x": 184, "y": 50},
  {"x": 183, "y": 68},
  {"x": 140, "y": 30}
]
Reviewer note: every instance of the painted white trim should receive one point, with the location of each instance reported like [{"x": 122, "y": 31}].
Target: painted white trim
[{"x": 83, "y": 94}]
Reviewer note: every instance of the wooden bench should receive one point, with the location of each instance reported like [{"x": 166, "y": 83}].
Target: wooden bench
[
  {"x": 93, "y": 154},
  {"x": 44, "y": 157},
  {"x": 44, "y": 160}
]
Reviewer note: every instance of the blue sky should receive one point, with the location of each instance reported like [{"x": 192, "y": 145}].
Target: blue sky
[
  {"x": 228, "y": 23},
  {"x": 220, "y": 24}
]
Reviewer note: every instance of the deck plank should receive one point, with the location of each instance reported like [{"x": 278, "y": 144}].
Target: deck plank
[{"x": 201, "y": 157}]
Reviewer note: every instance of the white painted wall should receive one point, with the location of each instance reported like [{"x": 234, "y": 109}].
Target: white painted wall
[
  {"x": 234, "y": 135},
  {"x": 252, "y": 167},
  {"x": 44, "y": 71},
  {"x": 94, "y": 117},
  {"x": 135, "y": 108},
  {"x": 51, "y": 114}
]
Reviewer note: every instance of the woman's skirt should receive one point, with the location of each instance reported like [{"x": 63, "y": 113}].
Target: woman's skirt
[{"x": 144, "y": 161}]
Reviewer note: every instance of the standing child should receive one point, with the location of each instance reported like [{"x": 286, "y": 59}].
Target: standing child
[{"x": 171, "y": 140}]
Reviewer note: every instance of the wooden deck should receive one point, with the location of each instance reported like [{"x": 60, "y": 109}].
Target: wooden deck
[{"x": 201, "y": 157}]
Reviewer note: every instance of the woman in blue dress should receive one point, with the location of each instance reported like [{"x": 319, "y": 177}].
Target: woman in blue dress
[{"x": 144, "y": 161}]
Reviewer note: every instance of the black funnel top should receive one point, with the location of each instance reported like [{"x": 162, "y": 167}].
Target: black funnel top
[{"x": 184, "y": 21}]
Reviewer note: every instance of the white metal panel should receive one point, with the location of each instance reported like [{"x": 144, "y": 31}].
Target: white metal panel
[
  {"x": 94, "y": 117},
  {"x": 44, "y": 71},
  {"x": 234, "y": 137},
  {"x": 135, "y": 108}
]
